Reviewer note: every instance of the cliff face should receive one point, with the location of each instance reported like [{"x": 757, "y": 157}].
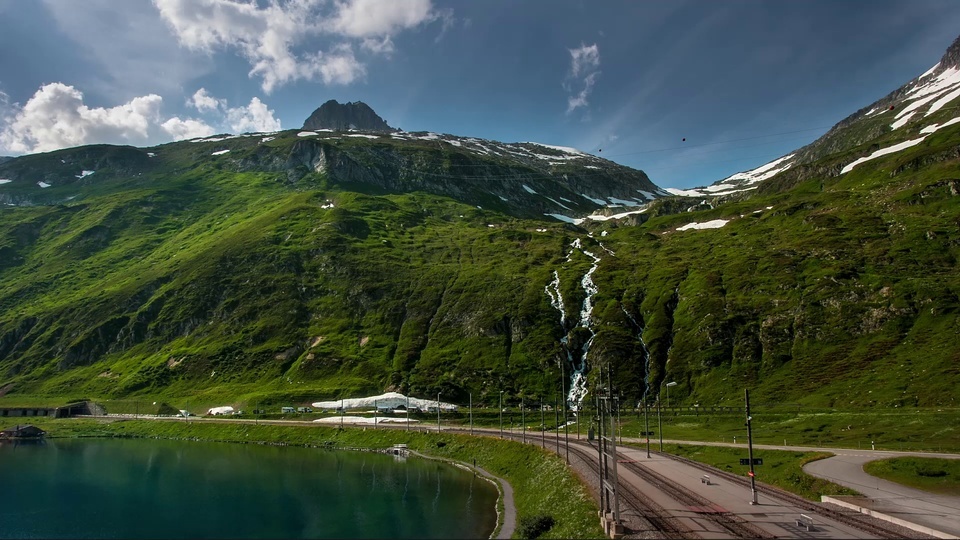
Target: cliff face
[{"x": 346, "y": 116}]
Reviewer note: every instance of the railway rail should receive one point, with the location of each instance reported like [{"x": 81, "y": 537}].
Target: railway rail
[{"x": 856, "y": 521}]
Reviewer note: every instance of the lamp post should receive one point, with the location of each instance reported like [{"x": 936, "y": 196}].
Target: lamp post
[
  {"x": 669, "y": 384},
  {"x": 646, "y": 425},
  {"x": 501, "y": 414},
  {"x": 659, "y": 416}
]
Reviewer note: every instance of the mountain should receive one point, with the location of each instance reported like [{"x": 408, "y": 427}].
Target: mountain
[
  {"x": 344, "y": 117},
  {"x": 310, "y": 265},
  {"x": 519, "y": 179},
  {"x": 905, "y": 115}
]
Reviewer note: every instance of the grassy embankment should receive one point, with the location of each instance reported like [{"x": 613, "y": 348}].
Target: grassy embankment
[
  {"x": 542, "y": 483},
  {"x": 781, "y": 469},
  {"x": 936, "y": 475},
  {"x": 890, "y": 429}
]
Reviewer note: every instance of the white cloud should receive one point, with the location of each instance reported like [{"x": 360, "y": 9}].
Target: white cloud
[
  {"x": 190, "y": 128},
  {"x": 56, "y": 117},
  {"x": 203, "y": 101},
  {"x": 255, "y": 117},
  {"x": 584, "y": 69},
  {"x": 376, "y": 18},
  {"x": 268, "y": 36},
  {"x": 584, "y": 59}
]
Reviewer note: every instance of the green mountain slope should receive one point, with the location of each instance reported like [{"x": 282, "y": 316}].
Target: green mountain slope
[{"x": 304, "y": 267}]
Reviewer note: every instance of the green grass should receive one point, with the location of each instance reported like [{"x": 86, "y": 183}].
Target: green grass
[
  {"x": 936, "y": 475},
  {"x": 781, "y": 469},
  {"x": 897, "y": 429},
  {"x": 542, "y": 483}
]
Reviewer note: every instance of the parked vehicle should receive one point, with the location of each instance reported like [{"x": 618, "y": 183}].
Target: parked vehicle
[
  {"x": 304, "y": 410},
  {"x": 287, "y": 410}
]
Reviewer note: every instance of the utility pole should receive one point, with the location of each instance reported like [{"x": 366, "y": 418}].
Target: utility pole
[
  {"x": 607, "y": 446},
  {"x": 659, "y": 423},
  {"x": 438, "y": 412},
  {"x": 501, "y": 414},
  {"x": 563, "y": 394},
  {"x": 471, "y": 413},
  {"x": 753, "y": 478},
  {"x": 523, "y": 420},
  {"x": 543, "y": 426},
  {"x": 556, "y": 420}
]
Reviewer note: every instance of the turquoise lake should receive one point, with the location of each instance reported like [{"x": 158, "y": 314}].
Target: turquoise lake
[{"x": 136, "y": 488}]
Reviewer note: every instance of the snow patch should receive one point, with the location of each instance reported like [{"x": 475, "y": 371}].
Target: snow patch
[
  {"x": 902, "y": 122},
  {"x": 151, "y": 154},
  {"x": 943, "y": 101},
  {"x": 591, "y": 167},
  {"x": 647, "y": 194},
  {"x": 5, "y": 181},
  {"x": 454, "y": 143},
  {"x": 84, "y": 174},
  {"x": 364, "y": 136},
  {"x": 882, "y": 152},
  {"x": 713, "y": 224},
  {"x": 934, "y": 127},
  {"x": 43, "y": 184},
  {"x": 566, "y": 219},
  {"x": 763, "y": 172},
  {"x": 266, "y": 139},
  {"x": 558, "y": 203},
  {"x": 601, "y": 217},
  {"x": 219, "y": 152},
  {"x": 306, "y": 134},
  {"x": 623, "y": 202},
  {"x": 529, "y": 189},
  {"x": 564, "y": 149},
  {"x": 684, "y": 192},
  {"x": 390, "y": 400},
  {"x": 218, "y": 411},
  {"x": 601, "y": 202}
]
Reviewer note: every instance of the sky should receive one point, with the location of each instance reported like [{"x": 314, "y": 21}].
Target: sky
[{"x": 690, "y": 91}]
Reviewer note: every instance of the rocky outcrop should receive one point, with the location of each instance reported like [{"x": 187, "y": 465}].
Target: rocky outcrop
[{"x": 346, "y": 116}]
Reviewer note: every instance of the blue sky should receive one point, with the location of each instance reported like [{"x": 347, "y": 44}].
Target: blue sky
[{"x": 743, "y": 82}]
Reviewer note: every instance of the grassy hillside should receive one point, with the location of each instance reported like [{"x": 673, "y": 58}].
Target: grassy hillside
[{"x": 225, "y": 281}]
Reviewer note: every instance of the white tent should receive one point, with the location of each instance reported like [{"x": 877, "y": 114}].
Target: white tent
[
  {"x": 391, "y": 400},
  {"x": 217, "y": 411}
]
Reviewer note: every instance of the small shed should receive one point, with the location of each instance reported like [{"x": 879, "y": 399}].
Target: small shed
[{"x": 22, "y": 432}]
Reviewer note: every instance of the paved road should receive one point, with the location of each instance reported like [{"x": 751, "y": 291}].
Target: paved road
[{"x": 939, "y": 512}]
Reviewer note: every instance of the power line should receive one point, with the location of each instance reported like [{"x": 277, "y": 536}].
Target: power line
[{"x": 719, "y": 142}]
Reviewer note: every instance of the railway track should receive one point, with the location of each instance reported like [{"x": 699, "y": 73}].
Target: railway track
[
  {"x": 856, "y": 521},
  {"x": 640, "y": 506},
  {"x": 730, "y": 522}
]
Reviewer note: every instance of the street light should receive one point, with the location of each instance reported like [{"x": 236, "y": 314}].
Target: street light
[
  {"x": 669, "y": 384},
  {"x": 659, "y": 419}
]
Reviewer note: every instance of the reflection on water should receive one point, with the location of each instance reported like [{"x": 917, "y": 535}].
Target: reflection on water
[{"x": 107, "y": 488}]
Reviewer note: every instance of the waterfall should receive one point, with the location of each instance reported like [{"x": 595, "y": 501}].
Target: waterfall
[
  {"x": 646, "y": 353},
  {"x": 577, "y": 357}
]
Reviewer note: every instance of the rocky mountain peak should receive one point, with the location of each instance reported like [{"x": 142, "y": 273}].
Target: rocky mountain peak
[
  {"x": 951, "y": 58},
  {"x": 346, "y": 116}
]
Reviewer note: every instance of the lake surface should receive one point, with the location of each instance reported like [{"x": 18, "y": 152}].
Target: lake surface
[{"x": 123, "y": 488}]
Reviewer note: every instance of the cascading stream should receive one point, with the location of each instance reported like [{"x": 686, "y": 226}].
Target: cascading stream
[
  {"x": 646, "y": 353},
  {"x": 577, "y": 357}
]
